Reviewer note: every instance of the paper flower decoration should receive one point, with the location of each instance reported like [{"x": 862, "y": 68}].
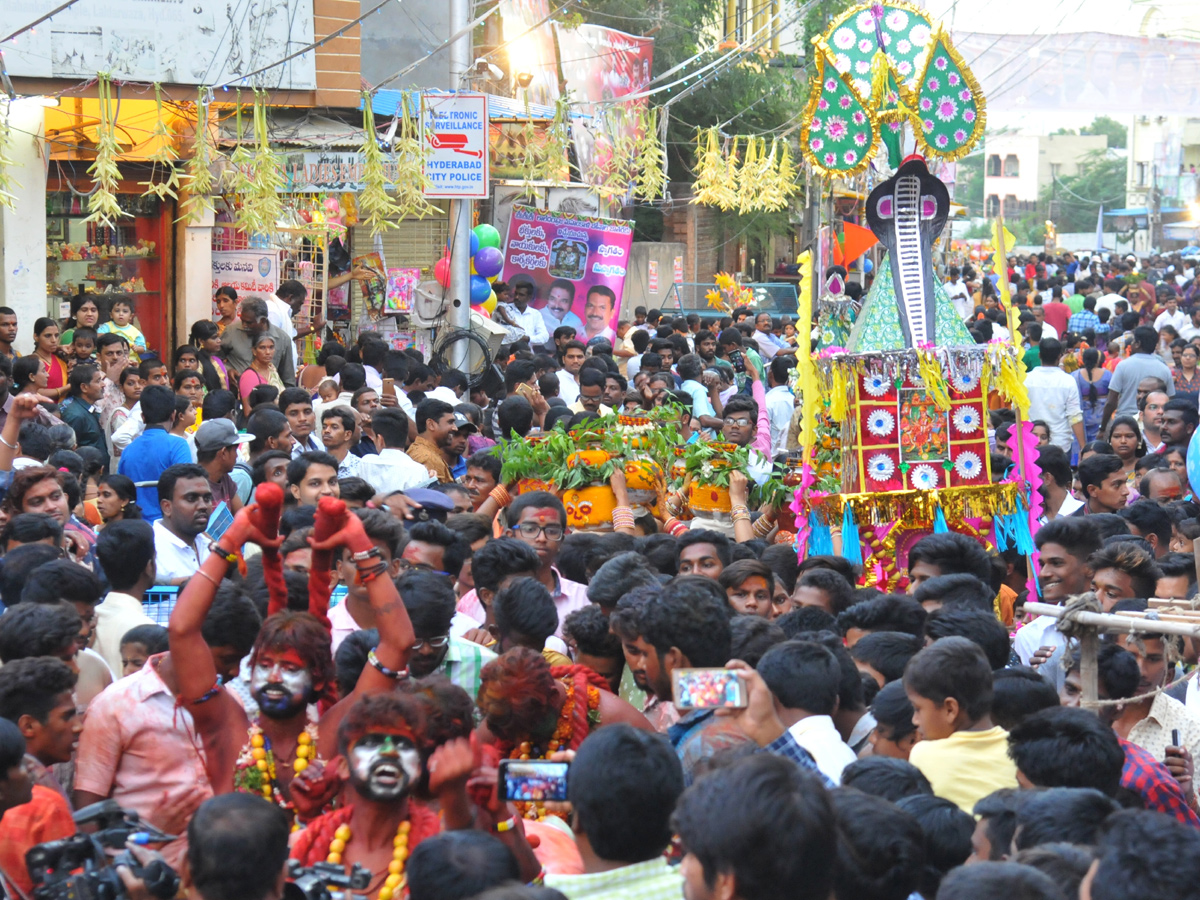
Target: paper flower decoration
[
  {"x": 966, "y": 419},
  {"x": 876, "y": 385},
  {"x": 880, "y": 467},
  {"x": 948, "y": 91},
  {"x": 923, "y": 477},
  {"x": 845, "y": 147},
  {"x": 881, "y": 423},
  {"x": 965, "y": 382},
  {"x": 968, "y": 466}
]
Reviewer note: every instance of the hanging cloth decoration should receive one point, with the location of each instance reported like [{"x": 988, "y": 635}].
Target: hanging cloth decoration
[
  {"x": 851, "y": 547},
  {"x": 939, "y": 520},
  {"x": 820, "y": 540}
]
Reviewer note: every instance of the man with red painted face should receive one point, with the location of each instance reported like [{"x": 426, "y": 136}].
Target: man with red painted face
[{"x": 291, "y": 666}]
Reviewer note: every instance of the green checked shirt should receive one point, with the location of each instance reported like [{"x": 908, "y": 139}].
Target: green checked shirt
[
  {"x": 463, "y": 663},
  {"x": 649, "y": 880}
]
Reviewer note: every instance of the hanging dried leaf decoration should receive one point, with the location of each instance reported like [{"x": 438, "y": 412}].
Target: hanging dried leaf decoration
[
  {"x": 651, "y": 160},
  {"x": 786, "y": 171},
  {"x": 411, "y": 182},
  {"x": 771, "y": 197},
  {"x": 237, "y": 180},
  {"x": 165, "y": 156},
  {"x": 557, "y": 146},
  {"x": 621, "y": 129},
  {"x": 267, "y": 175},
  {"x": 749, "y": 184},
  {"x": 103, "y": 202},
  {"x": 7, "y": 182},
  {"x": 711, "y": 186},
  {"x": 732, "y": 177},
  {"x": 376, "y": 208},
  {"x": 198, "y": 179},
  {"x": 533, "y": 158}
]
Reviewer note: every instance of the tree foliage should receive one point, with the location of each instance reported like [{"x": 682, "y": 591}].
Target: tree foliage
[{"x": 1099, "y": 181}]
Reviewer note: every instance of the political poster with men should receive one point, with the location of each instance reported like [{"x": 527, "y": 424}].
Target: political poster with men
[{"x": 576, "y": 265}]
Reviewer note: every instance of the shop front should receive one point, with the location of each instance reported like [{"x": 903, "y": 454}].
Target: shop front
[{"x": 132, "y": 259}]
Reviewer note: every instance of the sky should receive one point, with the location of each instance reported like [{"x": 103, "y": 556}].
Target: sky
[{"x": 1176, "y": 18}]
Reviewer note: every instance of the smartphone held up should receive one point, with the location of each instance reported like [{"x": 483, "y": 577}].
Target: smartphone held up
[{"x": 708, "y": 689}]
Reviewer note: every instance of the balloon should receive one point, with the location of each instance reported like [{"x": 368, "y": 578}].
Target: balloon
[
  {"x": 867, "y": 266},
  {"x": 1193, "y": 460},
  {"x": 474, "y": 271},
  {"x": 492, "y": 279},
  {"x": 474, "y": 243},
  {"x": 488, "y": 236},
  {"x": 489, "y": 261},
  {"x": 441, "y": 271},
  {"x": 480, "y": 289},
  {"x": 490, "y": 303}
]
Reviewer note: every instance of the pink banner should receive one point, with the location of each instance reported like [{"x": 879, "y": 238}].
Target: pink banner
[{"x": 576, "y": 264}]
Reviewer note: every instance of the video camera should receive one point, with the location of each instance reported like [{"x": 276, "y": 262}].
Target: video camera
[
  {"x": 77, "y": 868},
  {"x": 314, "y": 882}
]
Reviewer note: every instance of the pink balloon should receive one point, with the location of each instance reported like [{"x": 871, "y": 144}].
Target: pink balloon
[{"x": 441, "y": 271}]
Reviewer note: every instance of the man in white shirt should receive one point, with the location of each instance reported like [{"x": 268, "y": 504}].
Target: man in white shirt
[
  {"x": 959, "y": 295},
  {"x": 1057, "y": 499},
  {"x": 392, "y": 469},
  {"x": 574, "y": 354},
  {"x": 1054, "y": 397},
  {"x": 180, "y": 544},
  {"x": 781, "y": 404},
  {"x": 520, "y": 319},
  {"x": 1172, "y": 315},
  {"x": 125, "y": 549},
  {"x": 804, "y": 678}
]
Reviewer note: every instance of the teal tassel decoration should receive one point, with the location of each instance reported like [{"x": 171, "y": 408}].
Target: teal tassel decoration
[
  {"x": 851, "y": 548},
  {"x": 939, "y": 521},
  {"x": 1023, "y": 538},
  {"x": 820, "y": 541}
]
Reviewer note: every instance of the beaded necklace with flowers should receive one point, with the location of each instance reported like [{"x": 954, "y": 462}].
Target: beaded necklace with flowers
[
  {"x": 327, "y": 836},
  {"x": 255, "y": 768},
  {"x": 580, "y": 713}
]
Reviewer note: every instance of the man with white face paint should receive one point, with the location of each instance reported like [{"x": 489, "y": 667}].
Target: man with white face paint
[{"x": 380, "y": 823}]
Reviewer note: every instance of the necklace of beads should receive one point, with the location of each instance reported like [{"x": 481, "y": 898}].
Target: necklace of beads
[
  {"x": 258, "y": 755},
  {"x": 393, "y": 885},
  {"x": 528, "y": 750}
]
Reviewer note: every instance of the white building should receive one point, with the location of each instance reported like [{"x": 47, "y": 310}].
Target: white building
[{"x": 1017, "y": 167}]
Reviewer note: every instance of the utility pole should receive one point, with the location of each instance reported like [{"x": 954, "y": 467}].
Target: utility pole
[
  {"x": 1155, "y": 210},
  {"x": 458, "y": 314}
]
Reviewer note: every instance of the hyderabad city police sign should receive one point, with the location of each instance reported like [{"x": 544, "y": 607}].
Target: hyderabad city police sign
[{"x": 455, "y": 133}]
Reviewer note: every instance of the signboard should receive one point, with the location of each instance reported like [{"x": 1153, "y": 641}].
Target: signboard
[
  {"x": 246, "y": 271},
  {"x": 653, "y": 276},
  {"x": 679, "y": 270},
  {"x": 602, "y": 64},
  {"x": 576, "y": 264},
  {"x": 454, "y": 130},
  {"x": 165, "y": 41}
]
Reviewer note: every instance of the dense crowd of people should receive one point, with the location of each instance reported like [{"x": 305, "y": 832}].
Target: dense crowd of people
[{"x": 293, "y": 611}]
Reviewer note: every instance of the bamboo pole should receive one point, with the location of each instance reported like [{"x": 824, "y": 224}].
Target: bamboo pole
[{"x": 1124, "y": 624}]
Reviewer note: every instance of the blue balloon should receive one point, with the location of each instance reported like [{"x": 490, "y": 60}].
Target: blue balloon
[
  {"x": 1193, "y": 461},
  {"x": 481, "y": 289},
  {"x": 867, "y": 266},
  {"x": 474, "y": 244}
]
